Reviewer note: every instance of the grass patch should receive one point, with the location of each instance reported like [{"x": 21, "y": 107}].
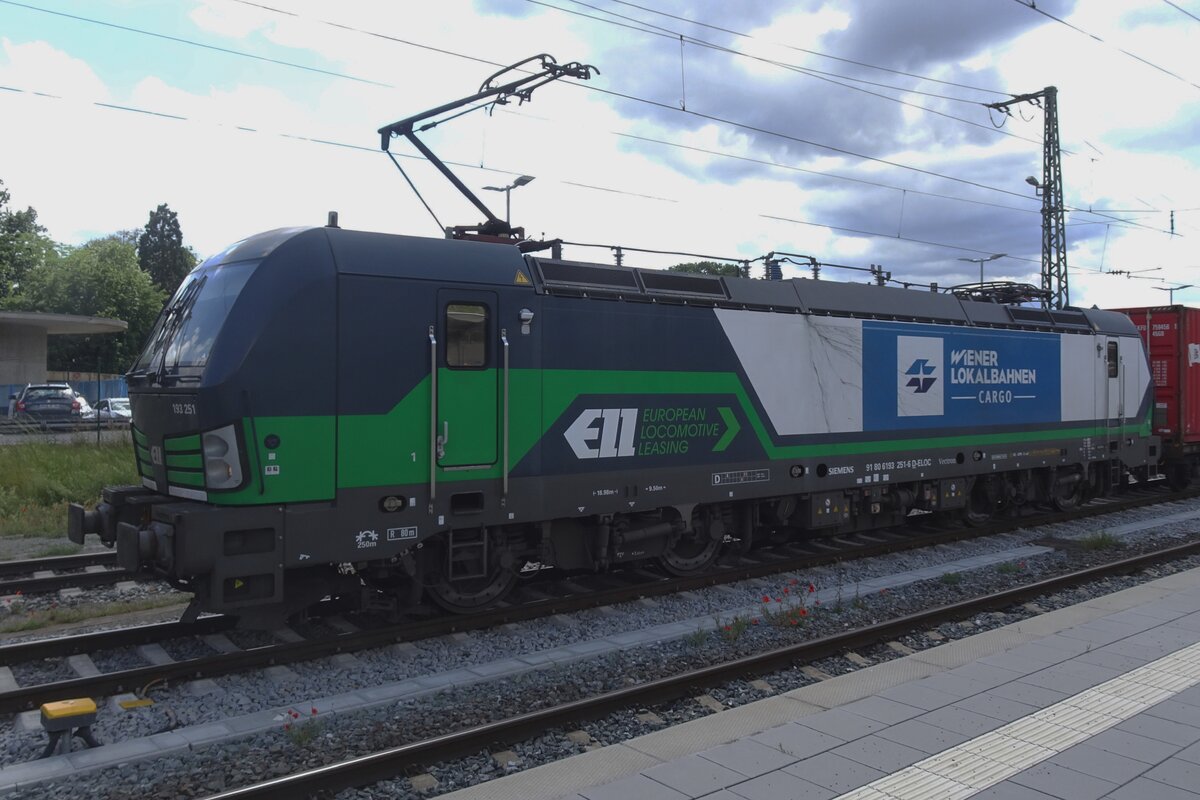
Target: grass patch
[
  {"x": 52, "y": 550},
  {"x": 41, "y": 478},
  {"x": 1100, "y": 541},
  {"x": 62, "y": 615},
  {"x": 1008, "y": 568},
  {"x": 951, "y": 578}
]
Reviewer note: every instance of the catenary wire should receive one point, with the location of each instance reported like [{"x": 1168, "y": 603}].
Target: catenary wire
[
  {"x": 202, "y": 45},
  {"x": 491, "y": 63},
  {"x": 1182, "y": 10},
  {"x": 828, "y": 77},
  {"x": 810, "y": 52},
  {"x": 418, "y": 158},
  {"x": 477, "y": 59},
  {"x": 634, "y": 98},
  {"x": 364, "y": 149},
  {"x": 1032, "y": 5}
]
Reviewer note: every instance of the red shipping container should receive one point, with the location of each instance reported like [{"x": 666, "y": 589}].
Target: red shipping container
[{"x": 1172, "y": 334}]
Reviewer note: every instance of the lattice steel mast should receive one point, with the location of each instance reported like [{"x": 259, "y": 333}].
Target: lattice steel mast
[{"x": 1054, "y": 231}]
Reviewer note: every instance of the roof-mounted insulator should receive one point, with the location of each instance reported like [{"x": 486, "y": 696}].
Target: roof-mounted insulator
[{"x": 332, "y": 222}]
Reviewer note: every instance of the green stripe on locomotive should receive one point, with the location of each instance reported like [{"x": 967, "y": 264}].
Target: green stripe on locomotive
[{"x": 393, "y": 449}]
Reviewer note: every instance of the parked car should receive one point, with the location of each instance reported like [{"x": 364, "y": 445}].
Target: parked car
[
  {"x": 50, "y": 403},
  {"x": 112, "y": 410}
]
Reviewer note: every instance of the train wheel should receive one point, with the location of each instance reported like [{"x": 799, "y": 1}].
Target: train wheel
[
  {"x": 468, "y": 570},
  {"x": 984, "y": 502},
  {"x": 466, "y": 596},
  {"x": 1067, "y": 498},
  {"x": 690, "y": 553}
]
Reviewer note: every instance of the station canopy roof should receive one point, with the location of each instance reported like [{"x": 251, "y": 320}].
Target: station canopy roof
[{"x": 63, "y": 323}]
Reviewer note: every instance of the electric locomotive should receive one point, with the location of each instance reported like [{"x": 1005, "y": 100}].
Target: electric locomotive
[{"x": 323, "y": 411}]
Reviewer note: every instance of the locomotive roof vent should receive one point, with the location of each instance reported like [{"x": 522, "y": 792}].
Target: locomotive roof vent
[
  {"x": 681, "y": 283},
  {"x": 1035, "y": 316},
  {"x": 574, "y": 273},
  {"x": 1069, "y": 318},
  {"x": 332, "y": 221}
]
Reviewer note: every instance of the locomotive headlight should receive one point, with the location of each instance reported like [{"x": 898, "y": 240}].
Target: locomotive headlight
[{"x": 222, "y": 462}]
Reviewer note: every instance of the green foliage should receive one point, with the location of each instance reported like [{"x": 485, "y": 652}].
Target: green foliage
[
  {"x": 1100, "y": 541},
  {"x": 708, "y": 268},
  {"x": 42, "y": 478},
  {"x": 302, "y": 733},
  {"x": 732, "y": 631},
  {"x": 160, "y": 250},
  {"x": 951, "y": 578},
  {"x": 99, "y": 279},
  {"x": 23, "y": 246},
  {"x": 57, "y": 549},
  {"x": 63, "y": 615}
]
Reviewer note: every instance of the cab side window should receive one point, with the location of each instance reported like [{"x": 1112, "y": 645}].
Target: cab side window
[
  {"x": 466, "y": 335},
  {"x": 1112, "y": 359}
]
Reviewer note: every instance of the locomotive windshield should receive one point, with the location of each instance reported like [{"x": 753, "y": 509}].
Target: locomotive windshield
[{"x": 179, "y": 345}]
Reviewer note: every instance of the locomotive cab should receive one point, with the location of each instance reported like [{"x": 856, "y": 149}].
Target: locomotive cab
[{"x": 208, "y": 515}]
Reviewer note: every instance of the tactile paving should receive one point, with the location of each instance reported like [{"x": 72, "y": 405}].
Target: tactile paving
[{"x": 988, "y": 759}]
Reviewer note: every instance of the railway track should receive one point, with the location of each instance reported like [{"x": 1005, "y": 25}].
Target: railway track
[
  {"x": 44, "y": 575},
  {"x": 544, "y": 598},
  {"x": 388, "y": 764}
]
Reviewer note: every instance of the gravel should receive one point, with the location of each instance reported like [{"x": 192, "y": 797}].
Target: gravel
[{"x": 310, "y": 741}]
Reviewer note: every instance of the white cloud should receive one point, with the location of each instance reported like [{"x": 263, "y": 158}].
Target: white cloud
[
  {"x": 38, "y": 66},
  {"x": 227, "y": 183}
]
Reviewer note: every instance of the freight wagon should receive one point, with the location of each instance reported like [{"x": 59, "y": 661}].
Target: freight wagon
[{"x": 1172, "y": 338}]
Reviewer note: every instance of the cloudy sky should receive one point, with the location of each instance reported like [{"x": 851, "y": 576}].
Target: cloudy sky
[{"x": 854, "y": 131}]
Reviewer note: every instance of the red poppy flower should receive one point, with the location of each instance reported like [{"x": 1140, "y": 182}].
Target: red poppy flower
[
  {"x": 804, "y": 612},
  {"x": 811, "y": 588},
  {"x": 766, "y": 598}
]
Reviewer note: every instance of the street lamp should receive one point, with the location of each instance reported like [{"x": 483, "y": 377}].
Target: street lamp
[
  {"x": 980, "y": 262},
  {"x": 520, "y": 181},
  {"x": 1173, "y": 290}
]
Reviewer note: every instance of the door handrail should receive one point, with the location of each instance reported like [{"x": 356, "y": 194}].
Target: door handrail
[
  {"x": 504, "y": 456},
  {"x": 433, "y": 431}
]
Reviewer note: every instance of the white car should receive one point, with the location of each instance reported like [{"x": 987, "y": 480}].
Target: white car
[{"x": 112, "y": 409}]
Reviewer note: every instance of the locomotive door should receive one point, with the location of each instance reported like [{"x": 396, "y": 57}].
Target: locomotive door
[
  {"x": 465, "y": 419},
  {"x": 1113, "y": 403},
  {"x": 1114, "y": 394}
]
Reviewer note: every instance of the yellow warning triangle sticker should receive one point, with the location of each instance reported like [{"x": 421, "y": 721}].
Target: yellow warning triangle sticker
[{"x": 521, "y": 280}]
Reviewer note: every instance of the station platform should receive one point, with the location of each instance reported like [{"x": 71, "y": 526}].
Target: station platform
[{"x": 1097, "y": 700}]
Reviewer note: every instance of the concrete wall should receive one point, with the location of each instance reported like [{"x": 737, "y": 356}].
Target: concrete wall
[{"x": 22, "y": 354}]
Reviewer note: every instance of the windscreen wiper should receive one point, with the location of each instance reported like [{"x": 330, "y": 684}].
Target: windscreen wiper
[{"x": 181, "y": 310}]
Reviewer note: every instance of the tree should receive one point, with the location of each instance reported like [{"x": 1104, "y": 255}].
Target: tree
[
  {"x": 160, "y": 250},
  {"x": 99, "y": 279},
  {"x": 709, "y": 268},
  {"x": 23, "y": 245}
]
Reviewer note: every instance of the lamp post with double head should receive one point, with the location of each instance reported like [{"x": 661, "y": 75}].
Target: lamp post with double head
[
  {"x": 1173, "y": 290},
  {"x": 520, "y": 181},
  {"x": 981, "y": 261}
]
